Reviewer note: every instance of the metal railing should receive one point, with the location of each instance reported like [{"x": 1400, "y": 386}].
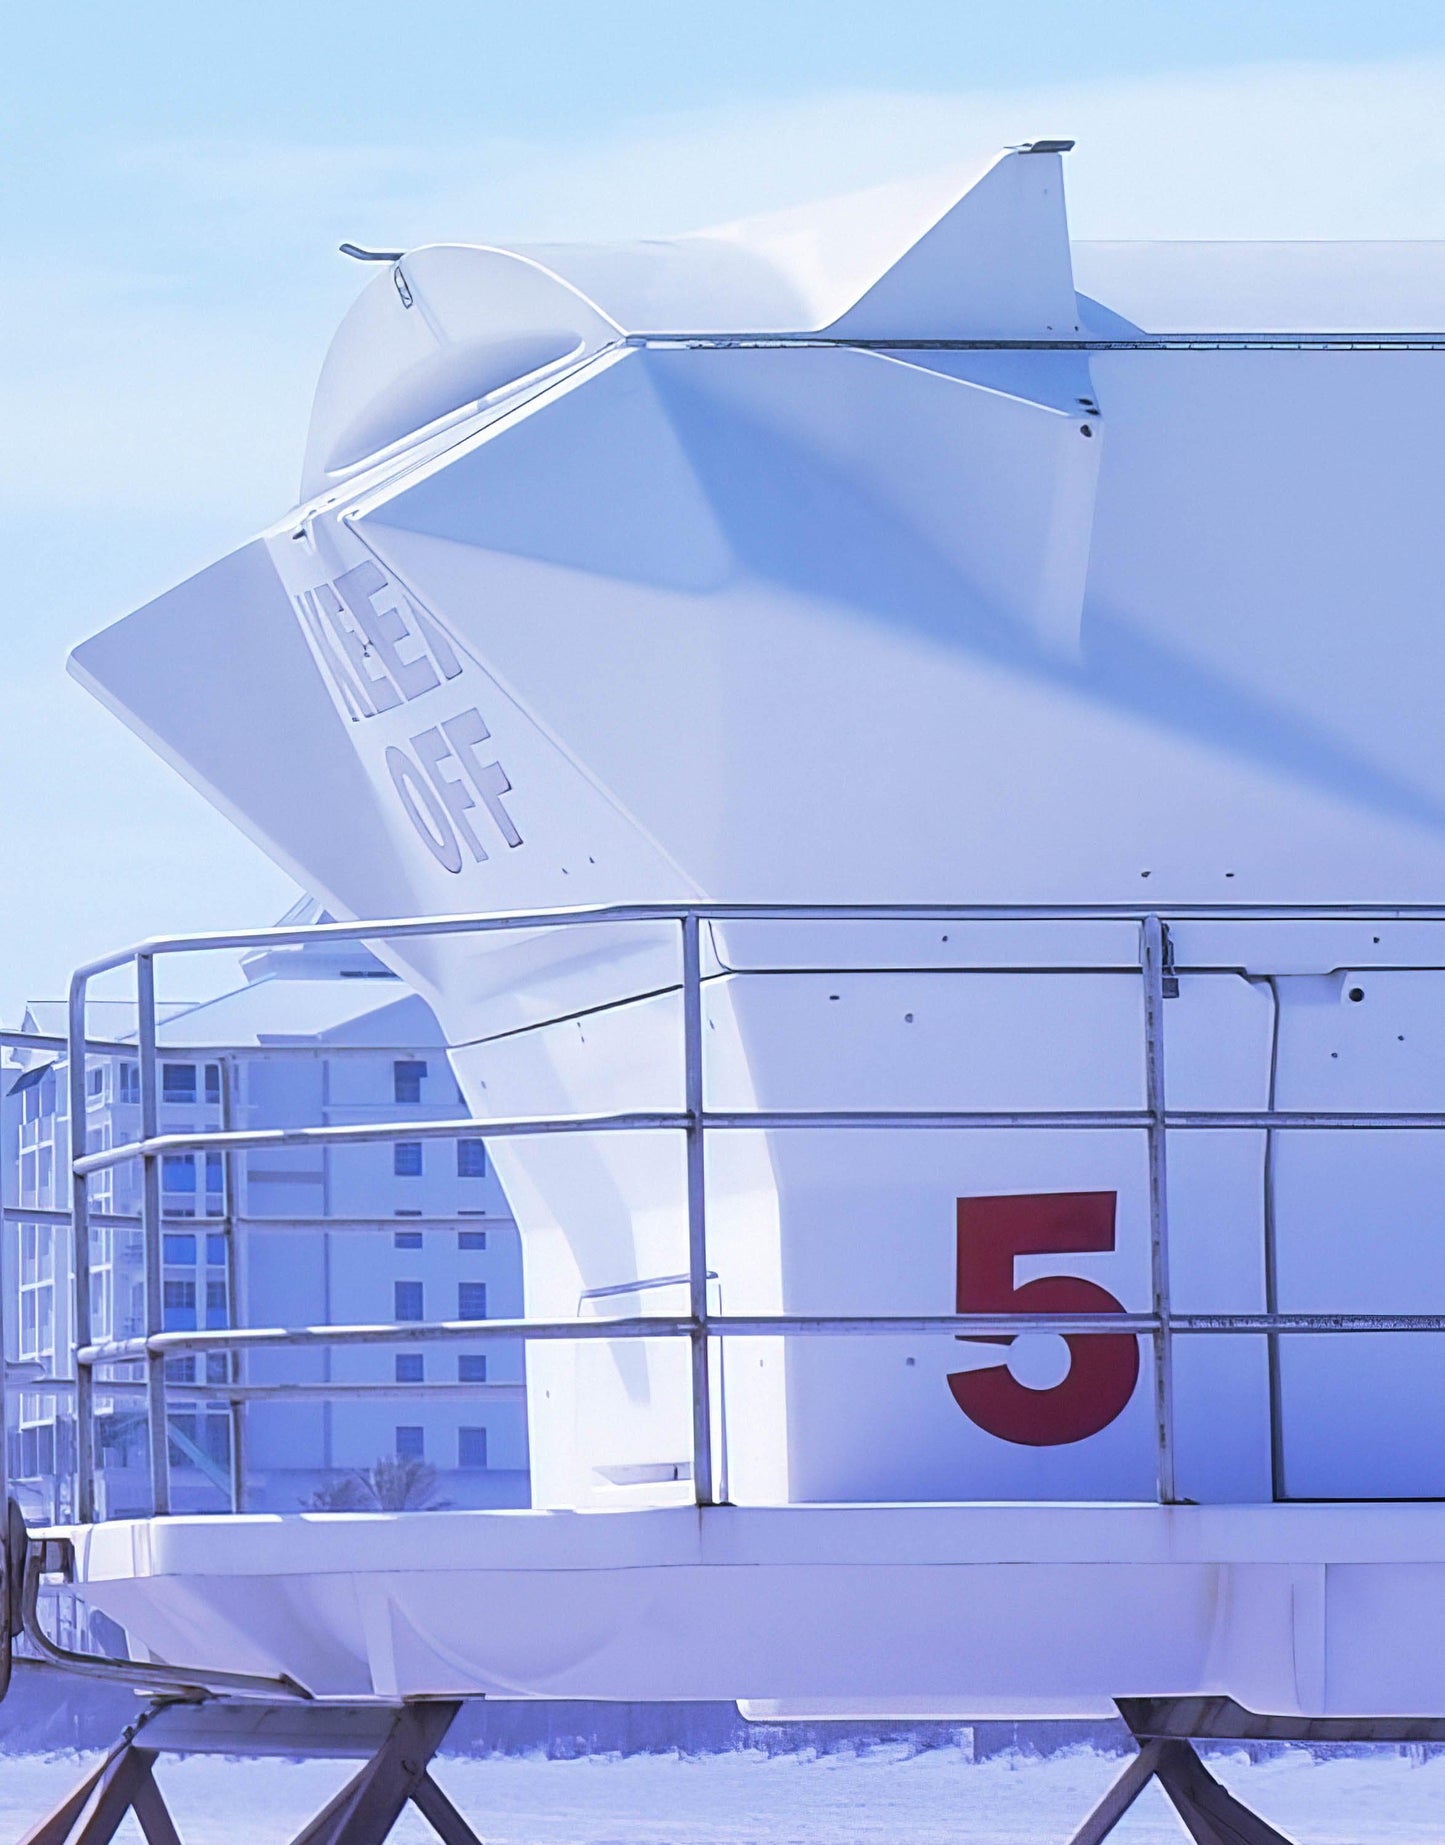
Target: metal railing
[{"x": 695, "y": 1121}]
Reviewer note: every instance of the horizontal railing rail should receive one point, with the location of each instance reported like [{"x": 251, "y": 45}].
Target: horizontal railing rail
[
  {"x": 483, "y": 922},
  {"x": 486, "y": 1389},
  {"x": 1152, "y": 963},
  {"x": 738, "y": 1326},
  {"x": 368, "y": 1133},
  {"x": 515, "y": 1127},
  {"x": 290, "y": 1225}
]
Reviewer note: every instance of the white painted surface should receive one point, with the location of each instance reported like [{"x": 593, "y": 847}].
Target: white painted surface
[
  {"x": 936, "y": 1610},
  {"x": 782, "y": 622}
]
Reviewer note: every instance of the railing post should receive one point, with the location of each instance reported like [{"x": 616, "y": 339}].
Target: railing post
[
  {"x": 692, "y": 1047},
  {"x": 5, "y": 1229},
  {"x": 80, "y": 1252},
  {"x": 235, "y": 1361},
  {"x": 157, "y": 1419},
  {"x": 1271, "y": 1262},
  {"x": 1154, "y": 963}
]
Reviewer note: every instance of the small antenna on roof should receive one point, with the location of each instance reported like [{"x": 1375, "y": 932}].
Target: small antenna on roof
[{"x": 370, "y": 256}]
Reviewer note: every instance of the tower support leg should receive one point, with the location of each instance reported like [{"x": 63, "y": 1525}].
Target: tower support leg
[
  {"x": 90, "y": 1813},
  {"x": 396, "y": 1747},
  {"x": 1212, "y": 1815},
  {"x": 1211, "y": 1812},
  {"x": 371, "y": 1803},
  {"x": 1135, "y": 1777}
]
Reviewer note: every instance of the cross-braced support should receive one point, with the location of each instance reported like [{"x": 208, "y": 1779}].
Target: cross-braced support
[
  {"x": 91, "y": 1812},
  {"x": 1211, "y": 1813},
  {"x": 1166, "y": 1730},
  {"x": 371, "y": 1803},
  {"x": 397, "y": 1746}
]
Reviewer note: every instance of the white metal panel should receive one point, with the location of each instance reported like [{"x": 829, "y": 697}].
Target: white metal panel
[
  {"x": 1358, "y": 1229},
  {"x": 946, "y": 1610}
]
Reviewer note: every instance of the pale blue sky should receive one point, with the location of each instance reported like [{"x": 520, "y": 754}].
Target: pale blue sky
[{"x": 176, "y": 178}]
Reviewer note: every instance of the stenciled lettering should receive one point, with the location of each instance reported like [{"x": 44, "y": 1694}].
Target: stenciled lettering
[
  {"x": 423, "y": 808},
  {"x": 437, "y": 802},
  {"x": 378, "y": 688},
  {"x": 386, "y": 630},
  {"x": 352, "y": 697},
  {"x": 437, "y": 643},
  {"x": 432, "y": 752},
  {"x": 360, "y": 644},
  {"x": 488, "y": 778},
  {"x": 380, "y": 651}
]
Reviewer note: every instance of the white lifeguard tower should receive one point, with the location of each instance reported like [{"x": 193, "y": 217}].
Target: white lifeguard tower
[{"x": 903, "y": 754}]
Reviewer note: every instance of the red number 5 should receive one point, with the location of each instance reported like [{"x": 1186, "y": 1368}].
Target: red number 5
[{"x": 1103, "y": 1367}]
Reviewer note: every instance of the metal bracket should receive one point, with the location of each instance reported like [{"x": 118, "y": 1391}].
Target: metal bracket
[
  {"x": 55, "y": 1556},
  {"x": 1169, "y": 974}
]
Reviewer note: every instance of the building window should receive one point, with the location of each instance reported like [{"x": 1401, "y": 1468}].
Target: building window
[
  {"x": 218, "y": 1366},
  {"x": 472, "y": 1300},
  {"x": 471, "y": 1447},
  {"x": 180, "y": 1306},
  {"x": 213, "y": 1083},
  {"x": 216, "y": 1249},
  {"x": 406, "y": 1239},
  {"x": 471, "y": 1159},
  {"x": 183, "y": 1437},
  {"x": 406, "y": 1159},
  {"x": 471, "y": 1239},
  {"x": 410, "y": 1443},
  {"x": 178, "y": 1172},
  {"x": 406, "y": 1081},
  {"x": 178, "y": 1082},
  {"x": 472, "y": 1368},
  {"x": 410, "y": 1368},
  {"x": 95, "y": 1080},
  {"x": 215, "y": 1304},
  {"x": 407, "y": 1297},
  {"x": 180, "y": 1249},
  {"x": 130, "y": 1082}
]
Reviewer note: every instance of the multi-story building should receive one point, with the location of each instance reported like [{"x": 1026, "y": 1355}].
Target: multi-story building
[{"x": 319, "y": 1034}]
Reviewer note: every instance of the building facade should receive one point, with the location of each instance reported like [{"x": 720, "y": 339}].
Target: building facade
[{"x": 320, "y": 1034}]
